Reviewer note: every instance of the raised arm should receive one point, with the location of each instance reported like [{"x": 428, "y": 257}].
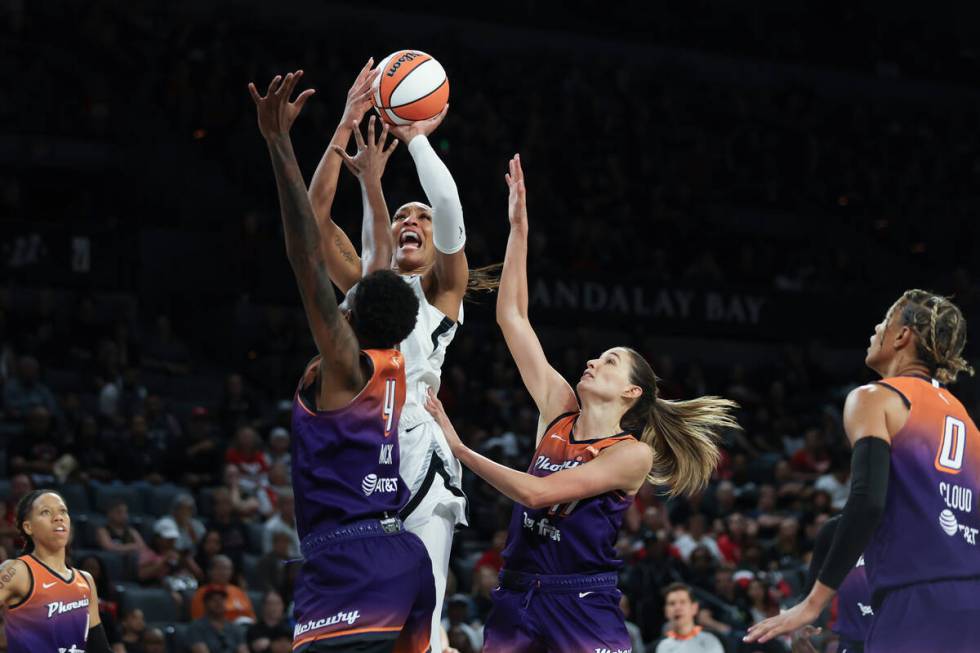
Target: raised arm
[
  {"x": 334, "y": 338},
  {"x": 551, "y": 392},
  {"x": 450, "y": 273},
  {"x": 343, "y": 263},
  {"x": 368, "y": 165}
]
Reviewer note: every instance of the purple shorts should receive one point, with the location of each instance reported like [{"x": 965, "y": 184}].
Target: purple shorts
[
  {"x": 362, "y": 583},
  {"x": 937, "y": 617},
  {"x": 556, "y": 614}
]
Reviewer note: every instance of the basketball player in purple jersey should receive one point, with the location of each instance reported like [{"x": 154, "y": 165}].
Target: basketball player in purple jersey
[
  {"x": 558, "y": 585},
  {"x": 50, "y": 606},
  {"x": 915, "y": 473},
  {"x": 854, "y": 611},
  {"x": 366, "y": 583}
]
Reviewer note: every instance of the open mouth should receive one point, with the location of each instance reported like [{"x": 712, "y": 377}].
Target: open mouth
[
  {"x": 410, "y": 240},
  {"x": 60, "y": 529}
]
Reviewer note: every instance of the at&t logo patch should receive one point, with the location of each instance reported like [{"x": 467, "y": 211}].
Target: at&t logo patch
[{"x": 373, "y": 485}]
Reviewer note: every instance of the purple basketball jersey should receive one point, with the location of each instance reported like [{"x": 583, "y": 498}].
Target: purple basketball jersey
[
  {"x": 572, "y": 538},
  {"x": 854, "y": 611},
  {"x": 345, "y": 461},
  {"x": 929, "y": 530}
]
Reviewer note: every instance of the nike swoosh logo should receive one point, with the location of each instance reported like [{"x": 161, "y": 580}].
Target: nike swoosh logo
[
  {"x": 582, "y": 595},
  {"x": 47, "y": 585},
  {"x": 557, "y": 437},
  {"x": 413, "y": 428}
]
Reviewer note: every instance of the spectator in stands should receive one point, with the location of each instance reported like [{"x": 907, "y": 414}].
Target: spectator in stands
[
  {"x": 20, "y": 484},
  {"x": 246, "y": 454},
  {"x": 636, "y": 637},
  {"x": 837, "y": 482},
  {"x": 137, "y": 457},
  {"x": 198, "y": 455},
  {"x": 122, "y": 395},
  {"x": 457, "y": 617},
  {"x": 209, "y": 547},
  {"x": 153, "y": 641},
  {"x": 245, "y": 501},
  {"x": 237, "y": 406},
  {"x": 758, "y": 601},
  {"x": 273, "y": 618},
  {"x": 166, "y": 566},
  {"x": 165, "y": 351},
  {"x": 237, "y": 605},
  {"x": 25, "y": 391},
  {"x": 272, "y": 569},
  {"x": 93, "y": 451},
  {"x": 492, "y": 557},
  {"x": 278, "y": 452},
  {"x": 485, "y": 580},
  {"x": 813, "y": 459},
  {"x": 133, "y": 630},
  {"x": 283, "y": 521},
  {"x": 765, "y": 513},
  {"x": 37, "y": 450},
  {"x": 278, "y": 481},
  {"x": 734, "y": 536},
  {"x": 162, "y": 427},
  {"x": 696, "y": 536},
  {"x": 459, "y": 640},
  {"x": 787, "y": 549},
  {"x": 117, "y": 535},
  {"x": 233, "y": 532},
  {"x": 185, "y": 524},
  {"x": 684, "y": 636},
  {"x": 211, "y": 631}
]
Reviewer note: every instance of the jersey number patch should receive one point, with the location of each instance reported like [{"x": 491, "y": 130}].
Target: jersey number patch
[
  {"x": 388, "y": 412},
  {"x": 949, "y": 458}
]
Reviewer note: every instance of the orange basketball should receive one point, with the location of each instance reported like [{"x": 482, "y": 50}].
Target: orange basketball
[{"x": 412, "y": 86}]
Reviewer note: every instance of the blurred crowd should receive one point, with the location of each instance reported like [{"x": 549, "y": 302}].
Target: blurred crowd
[{"x": 174, "y": 459}]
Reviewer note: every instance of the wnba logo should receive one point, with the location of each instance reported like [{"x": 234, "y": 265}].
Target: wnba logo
[{"x": 948, "y": 522}]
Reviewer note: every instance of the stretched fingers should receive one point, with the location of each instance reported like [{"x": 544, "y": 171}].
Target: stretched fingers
[
  {"x": 348, "y": 161},
  {"x": 371, "y": 140},
  {"x": 273, "y": 85},
  {"x": 358, "y": 138},
  {"x": 254, "y": 93}
]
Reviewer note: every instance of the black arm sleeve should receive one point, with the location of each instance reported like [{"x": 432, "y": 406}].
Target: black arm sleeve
[
  {"x": 97, "y": 641},
  {"x": 821, "y": 547},
  {"x": 870, "y": 466}
]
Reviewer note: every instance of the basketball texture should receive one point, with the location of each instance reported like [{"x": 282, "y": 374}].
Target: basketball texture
[{"x": 412, "y": 86}]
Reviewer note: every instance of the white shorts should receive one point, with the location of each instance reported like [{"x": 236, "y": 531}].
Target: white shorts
[{"x": 426, "y": 465}]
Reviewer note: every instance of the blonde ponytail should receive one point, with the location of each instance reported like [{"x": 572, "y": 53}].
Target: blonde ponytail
[{"x": 684, "y": 436}]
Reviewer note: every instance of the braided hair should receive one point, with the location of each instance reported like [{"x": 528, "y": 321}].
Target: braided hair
[{"x": 940, "y": 328}]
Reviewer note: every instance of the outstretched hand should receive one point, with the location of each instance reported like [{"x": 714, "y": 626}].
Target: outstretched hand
[
  {"x": 517, "y": 200},
  {"x": 436, "y": 409},
  {"x": 406, "y": 133},
  {"x": 360, "y": 95},
  {"x": 800, "y": 615},
  {"x": 275, "y": 111},
  {"x": 372, "y": 156}
]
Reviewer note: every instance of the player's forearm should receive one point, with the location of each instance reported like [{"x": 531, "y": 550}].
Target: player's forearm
[
  {"x": 448, "y": 230},
  {"x": 516, "y": 486},
  {"x": 376, "y": 243},
  {"x": 323, "y": 186},
  {"x": 512, "y": 294}
]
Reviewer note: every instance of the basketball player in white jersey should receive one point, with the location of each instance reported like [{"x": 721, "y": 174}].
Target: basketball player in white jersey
[{"x": 425, "y": 245}]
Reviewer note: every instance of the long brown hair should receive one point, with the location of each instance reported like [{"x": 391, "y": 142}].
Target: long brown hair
[
  {"x": 940, "y": 328},
  {"x": 483, "y": 279},
  {"x": 684, "y": 435}
]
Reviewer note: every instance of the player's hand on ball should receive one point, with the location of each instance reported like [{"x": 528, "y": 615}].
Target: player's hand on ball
[
  {"x": 517, "y": 201},
  {"x": 435, "y": 408},
  {"x": 801, "y": 614},
  {"x": 372, "y": 156},
  {"x": 359, "y": 97},
  {"x": 275, "y": 112},
  {"x": 406, "y": 133}
]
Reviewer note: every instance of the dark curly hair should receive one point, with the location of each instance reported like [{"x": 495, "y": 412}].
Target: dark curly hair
[
  {"x": 24, "y": 509},
  {"x": 383, "y": 311}
]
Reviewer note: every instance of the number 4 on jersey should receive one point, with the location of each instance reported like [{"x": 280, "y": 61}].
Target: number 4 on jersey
[
  {"x": 949, "y": 458},
  {"x": 388, "y": 411}
]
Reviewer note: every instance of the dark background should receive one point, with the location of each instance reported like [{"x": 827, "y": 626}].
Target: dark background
[{"x": 739, "y": 192}]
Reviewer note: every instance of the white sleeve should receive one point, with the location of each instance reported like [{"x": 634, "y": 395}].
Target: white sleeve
[{"x": 448, "y": 232}]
